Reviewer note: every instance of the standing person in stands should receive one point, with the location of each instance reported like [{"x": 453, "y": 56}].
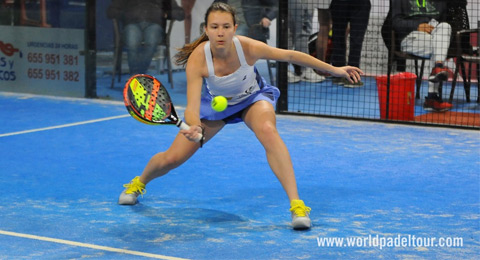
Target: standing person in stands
[
  {"x": 352, "y": 14},
  {"x": 187, "y": 6},
  {"x": 300, "y": 15}
]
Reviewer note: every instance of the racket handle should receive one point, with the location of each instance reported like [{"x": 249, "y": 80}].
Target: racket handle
[{"x": 182, "y": 125}]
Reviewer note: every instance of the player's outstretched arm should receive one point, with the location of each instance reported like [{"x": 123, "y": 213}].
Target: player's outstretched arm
[{"x": 259, "y": 50}]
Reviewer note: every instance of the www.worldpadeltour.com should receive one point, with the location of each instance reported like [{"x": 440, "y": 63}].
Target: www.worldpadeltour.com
[{"x": 380, "y": 242}]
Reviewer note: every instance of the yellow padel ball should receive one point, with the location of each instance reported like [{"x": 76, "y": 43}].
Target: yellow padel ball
[{"x": 219, "y": 103}]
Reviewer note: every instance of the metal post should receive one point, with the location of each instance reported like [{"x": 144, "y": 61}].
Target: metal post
[
  {"x": 282, "y": 67},
  {"x": 90, "y": 51}
]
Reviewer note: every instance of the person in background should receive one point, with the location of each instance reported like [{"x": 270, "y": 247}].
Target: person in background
[
  {"x": 353, "y": 14},
  {"x": 416, "y": 24},
  {"x": 187, "y": 6},
  {"x": 144, "y": 23},
  {"x": 325, "y": 20},
  {"x": 254, "y": 17},
  {"x": 300, "y": 16}
]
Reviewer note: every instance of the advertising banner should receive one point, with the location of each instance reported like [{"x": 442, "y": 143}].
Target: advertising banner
[{"x": 42, "y": 61}]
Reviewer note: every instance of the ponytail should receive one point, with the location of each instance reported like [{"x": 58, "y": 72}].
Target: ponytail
[{"x": 181, "y": 57}]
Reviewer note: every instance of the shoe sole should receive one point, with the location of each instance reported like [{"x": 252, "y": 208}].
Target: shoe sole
[
  {"x": 442, "y": 109},
  {"x": 302, "y": 225},
  {"x": 299, "y": 223},
  {"x": 436, "y": 110},
  {"x": 127, "y": 199},
  {"x": 294, "y": 80},
  {"x": 439, "y": 77}
]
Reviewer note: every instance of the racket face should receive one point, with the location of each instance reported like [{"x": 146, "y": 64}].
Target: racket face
[{"x": 147, "y": 100}]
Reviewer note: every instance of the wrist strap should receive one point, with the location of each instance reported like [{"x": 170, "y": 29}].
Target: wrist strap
[{"x": 203, "y": 135}]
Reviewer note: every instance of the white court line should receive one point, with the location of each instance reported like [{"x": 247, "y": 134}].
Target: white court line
[
  {"x": 91, "y": 246},
  {"x": 63, "y": 126}
]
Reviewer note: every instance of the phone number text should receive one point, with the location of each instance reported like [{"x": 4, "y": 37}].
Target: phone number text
[
  {"x": 53, "y": 59},
  {"x": 51, "y": 74}
]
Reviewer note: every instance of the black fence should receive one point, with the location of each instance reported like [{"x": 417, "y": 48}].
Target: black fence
[
  {"x": 361, "y": 33},
  {"x": 395, "y": 86}
]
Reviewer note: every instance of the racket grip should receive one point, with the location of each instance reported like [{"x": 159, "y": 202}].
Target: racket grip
[{"x": 182, "y": 125}]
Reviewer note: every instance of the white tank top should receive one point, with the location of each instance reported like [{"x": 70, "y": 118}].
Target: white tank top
[{"x": 236, "y": 86}]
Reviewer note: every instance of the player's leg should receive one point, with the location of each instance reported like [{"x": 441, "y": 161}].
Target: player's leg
[
  {"x": 161, "y": 163},
  {"x": 260, "y": 118},
  {"x": 180, "y": 151}
]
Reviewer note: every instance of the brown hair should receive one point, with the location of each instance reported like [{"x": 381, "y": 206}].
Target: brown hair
[{"x": 184, "y": 53}]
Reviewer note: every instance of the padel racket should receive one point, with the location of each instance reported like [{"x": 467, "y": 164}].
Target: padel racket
[{"x": 147, "y": 100}]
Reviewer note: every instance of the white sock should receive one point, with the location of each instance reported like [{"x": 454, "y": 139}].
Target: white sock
[{"x": 433, "y": 87}]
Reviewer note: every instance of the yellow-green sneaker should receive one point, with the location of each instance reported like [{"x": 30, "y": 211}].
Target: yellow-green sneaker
[
  {"x": 300, "y": 218},
  {"x": 131, "y": 192}
]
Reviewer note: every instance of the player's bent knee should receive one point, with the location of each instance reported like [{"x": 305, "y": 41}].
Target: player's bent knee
[{"x": 268, "y": 131}]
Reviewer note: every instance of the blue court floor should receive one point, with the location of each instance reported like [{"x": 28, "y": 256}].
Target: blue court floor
[{"x": 64, "y": 161}]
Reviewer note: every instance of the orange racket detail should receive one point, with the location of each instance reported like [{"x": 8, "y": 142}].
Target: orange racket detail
[{"x": 152, "y": 100}]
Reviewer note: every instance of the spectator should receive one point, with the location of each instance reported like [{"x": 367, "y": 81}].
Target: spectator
[
  {"x": 416, "y": 24},
  {"x": 254, "y": 17},
  {"x": 187, "y": 6},
  {"x": 300, "y": 25},
  {"x": 143, "y": 27},
  {"x": 353, "y": 14},
  {"x": 325, "y": 22}
]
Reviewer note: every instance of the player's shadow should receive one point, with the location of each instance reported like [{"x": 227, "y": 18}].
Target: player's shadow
[
  {"x": 201, "y": 218},
  {"x": 160, "y": 224},
  {"x": 186, "y": 215}
]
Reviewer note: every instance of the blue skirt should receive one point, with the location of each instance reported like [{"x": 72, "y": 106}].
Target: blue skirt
[{"x": 233, "y": 113}]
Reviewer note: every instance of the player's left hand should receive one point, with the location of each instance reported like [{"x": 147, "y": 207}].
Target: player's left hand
[{"x": 352, "y": 74}]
